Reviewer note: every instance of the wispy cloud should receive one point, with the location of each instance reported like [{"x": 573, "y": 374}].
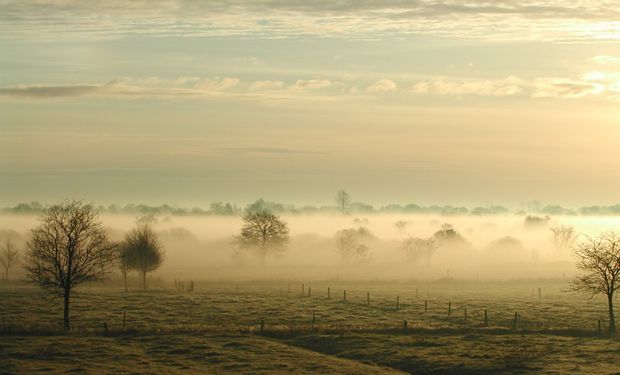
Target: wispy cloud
[
  {"x": 382, "y": 86},
  {"x": 563, "y": 20},
  {"x": 607, "y": 60},
  {"x": 311, "y": 84},
  {"x": 42, "y": 91},
  {"x": 590, "y": 84},
  {"x": 553, "y": 87},
  {"x": 461, "y": 87},
  {"x": 180, "y": 88}
]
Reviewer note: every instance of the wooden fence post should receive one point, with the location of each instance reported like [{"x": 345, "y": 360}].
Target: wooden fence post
[
  {"x": 105, "y": 327},
  {"x": 309, "y": 289},
  {"x": 344, "y": 295},
  {"x": 368, "y": 298},
  {"x": 449, "y": 308},
  {"x": 303, "y": 288},
  {"x": 539, "y": 293},
  {"x": 465, "y": 313},
  {"x": 600, "y": 331},
  {"x": 329, "y": 293},
  {"x": 405, "y": 325},
  {"x": 514, "y": 322},
  {"x": 425, "y": 305},
  {"x": 486, "y": 318},
  {"x": 397, "y": 300},
  {"x": 313, "y": 318}
]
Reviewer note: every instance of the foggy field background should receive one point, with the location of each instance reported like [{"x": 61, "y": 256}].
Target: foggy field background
[
  {"x": 201, "y": 247},
  {"x": 298, "y": 300}
]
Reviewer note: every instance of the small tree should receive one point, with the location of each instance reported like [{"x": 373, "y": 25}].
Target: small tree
[
  {"x": 418, "y": 249},
  {"x": 599, "y": 259},
  {"x": 142, "y": 251},
  {"x": 563, "y": 237},
  {"x": 264, "y": 232},
  {"x": 9, "y": 256},
  {"x": 68, "y": 248},
  {"x": 349, "y": 243},
  {"x": 343, "y": 200}
]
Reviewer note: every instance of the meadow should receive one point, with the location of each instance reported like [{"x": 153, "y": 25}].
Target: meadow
[{"x": 269, "y": 326}]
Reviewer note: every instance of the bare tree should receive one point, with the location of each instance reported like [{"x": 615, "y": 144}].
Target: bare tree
[
  {"x": 142, "y": 251},
  {"x": 343, "y": 200},
  {"x": 420, "y": 248},
  {"x": 599, "y": 259},
  {"x": 68, "y": 248},
  {"x": 9, "y": 257},
  {"x": 264, "y": 232},
  {"x": 349, "y": 243},
  {"x": 563, "y": 237}
]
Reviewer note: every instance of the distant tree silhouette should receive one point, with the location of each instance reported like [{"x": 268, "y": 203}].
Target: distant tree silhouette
[
  {"x": 220, "y": 208},
  {"x": 343, "y": 201},
  {"x": 401, "y": 225},
  {"x": 263, "y": 232},
  {"x": 349, "y": 243},
  {"x": 420, "y": 249},
  {"x": 9, "y": 256},
  {"x": 563, "y": 237},
  {"x": 599, "y": 260},
  {"x": 68, "y": 248},
  {"x": 448, "y": 234},
  {"x": 142, "y": 250},
  {"x": 533, "y": 221},
  {"x": 505, "y": 248}
]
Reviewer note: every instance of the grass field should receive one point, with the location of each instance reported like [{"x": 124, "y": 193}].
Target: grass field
[{"x": 216, "y": 329}]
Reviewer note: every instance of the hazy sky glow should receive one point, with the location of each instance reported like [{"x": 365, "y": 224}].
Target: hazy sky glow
[{"x": 189, "y": 102}]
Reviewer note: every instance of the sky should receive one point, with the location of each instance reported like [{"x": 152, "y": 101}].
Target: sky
[{"x": 191, "y": 102}]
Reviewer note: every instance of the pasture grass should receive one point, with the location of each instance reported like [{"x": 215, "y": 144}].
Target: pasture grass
[{"x": 216, "y": 329}]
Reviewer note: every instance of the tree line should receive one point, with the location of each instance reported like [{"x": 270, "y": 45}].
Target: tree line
[{"x": 344, "y": 204}]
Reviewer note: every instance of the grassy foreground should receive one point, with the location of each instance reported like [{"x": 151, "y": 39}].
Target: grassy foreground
[{"x": 216, "y": 329}]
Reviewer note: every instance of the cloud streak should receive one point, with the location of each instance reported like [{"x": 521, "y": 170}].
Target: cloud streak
[
  {"x": 273, "y": 151},
  {"x": 558, "y": 20},
  {"x": 605, "y": 86}
]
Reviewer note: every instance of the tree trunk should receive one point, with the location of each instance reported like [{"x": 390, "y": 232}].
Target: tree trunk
[
  {"x": 66, "y": 311},
  {"x": 124, "y": 271},
  {"x": 144, "y": 280},
  {"x": 612, "y": 319},
  {"x": 262, "y": 255}
]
